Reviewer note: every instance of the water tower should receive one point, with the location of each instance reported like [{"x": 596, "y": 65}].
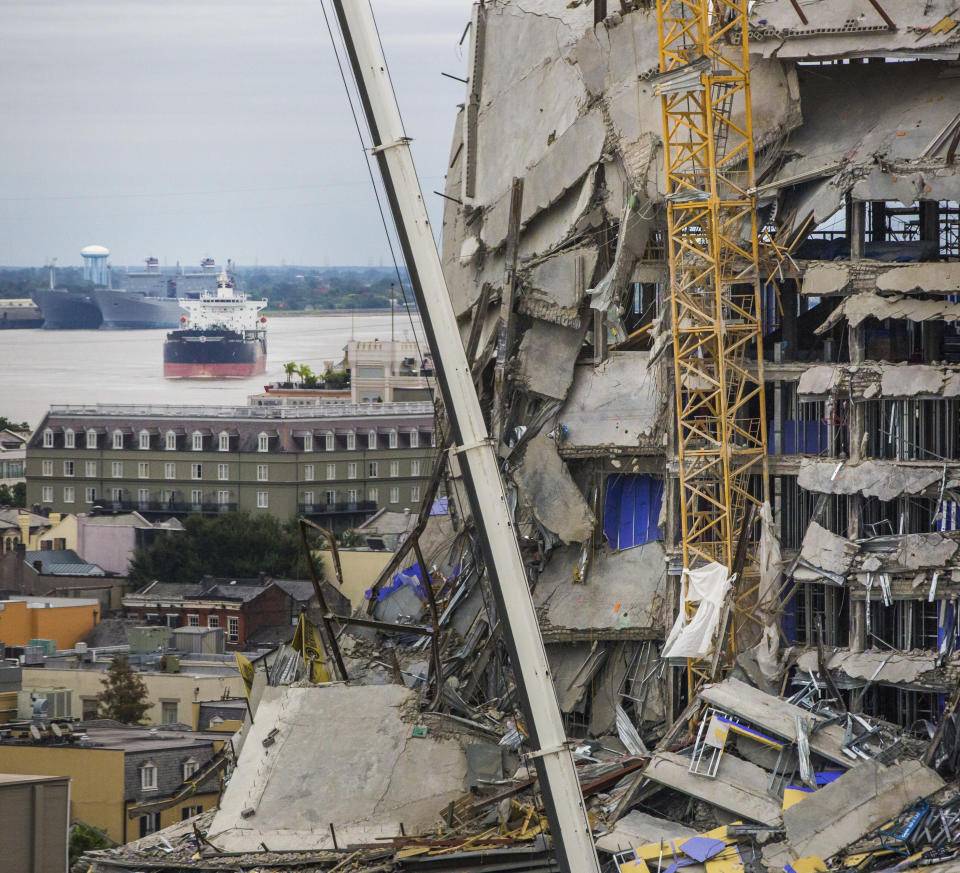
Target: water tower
[{"x": 95, "y": 264}]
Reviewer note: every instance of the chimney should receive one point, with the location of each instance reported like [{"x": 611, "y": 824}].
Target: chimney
[
  {"x": 55, "y": 518},
  {"x": 24, "y": 521}
]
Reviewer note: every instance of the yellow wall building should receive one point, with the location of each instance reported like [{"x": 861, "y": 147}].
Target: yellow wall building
[
  {"x": 64, "y": 619},
  {"x": 172, "y": 694},
  {"x": 360, "y": 567}
]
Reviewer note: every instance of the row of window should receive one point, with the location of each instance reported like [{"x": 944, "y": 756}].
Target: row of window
[
  {"x": 223, "y": 470},
  {"x": 224, "y": 498},
  {"x": 148, "y": 771},
  {"x": 193, "y": 620},
  {"x": 223, "y": 440}
]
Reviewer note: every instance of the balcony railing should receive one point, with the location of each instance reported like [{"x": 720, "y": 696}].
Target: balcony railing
[
  {"x": 322, "y": 508},
  {"x": 168, "y": 506}
]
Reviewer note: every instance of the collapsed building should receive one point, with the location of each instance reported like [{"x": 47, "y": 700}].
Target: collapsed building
[{"x": 556, "y": 263}]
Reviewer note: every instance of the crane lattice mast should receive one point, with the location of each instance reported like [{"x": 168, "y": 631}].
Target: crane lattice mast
[{"x": 714, "y": 293}]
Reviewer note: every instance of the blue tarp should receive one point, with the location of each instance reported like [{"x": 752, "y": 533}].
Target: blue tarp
[
  {"x": 801, "y": 438},
  {"x": 412, "y": 576},
  {"x": 631, "y": 510},
  {"x": 440, "y": 506}
]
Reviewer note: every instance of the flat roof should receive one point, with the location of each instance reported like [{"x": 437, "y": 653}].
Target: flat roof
[
  {"x": 25, "y": 779},
  {"x": 52, "y": 602}
]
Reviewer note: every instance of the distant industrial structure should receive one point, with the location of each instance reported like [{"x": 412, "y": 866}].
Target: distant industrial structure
[{"x": 95, "y": 267}]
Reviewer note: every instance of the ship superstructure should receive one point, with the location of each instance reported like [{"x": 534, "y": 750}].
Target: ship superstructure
[{"x": 222, "y": 336}]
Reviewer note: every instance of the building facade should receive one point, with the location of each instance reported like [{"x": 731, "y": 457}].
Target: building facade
[{"x": 337, "y": 465}]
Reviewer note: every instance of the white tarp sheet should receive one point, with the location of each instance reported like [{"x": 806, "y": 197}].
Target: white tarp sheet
[{"x": 693, "y": 638}]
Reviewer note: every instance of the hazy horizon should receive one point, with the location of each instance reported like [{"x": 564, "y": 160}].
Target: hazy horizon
[{"x": 198, "y": 128}]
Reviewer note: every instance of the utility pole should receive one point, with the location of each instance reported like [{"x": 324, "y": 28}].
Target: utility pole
[{"x": 563, "y": 800}]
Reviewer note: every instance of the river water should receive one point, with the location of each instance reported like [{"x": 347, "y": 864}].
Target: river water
[{"x": 42, "y": 367}]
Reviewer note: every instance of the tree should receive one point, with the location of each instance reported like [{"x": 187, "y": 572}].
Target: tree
[
  {"x": 234, "y": 544},
  {"x": 84, "y": 838},
  {"x": 307, "y": 376},
  {"x": 16, "y": 496},
  {"x": 290, "y": 368},
  {"x": 6, "y": 423},
  {"x": 124, "y": 697}
]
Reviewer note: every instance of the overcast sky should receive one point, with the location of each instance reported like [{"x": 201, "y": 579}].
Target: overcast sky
[{"x": 188, "y": 128}]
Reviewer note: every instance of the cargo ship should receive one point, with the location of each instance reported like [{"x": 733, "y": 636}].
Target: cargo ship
[{"x": 222, "y": 337}]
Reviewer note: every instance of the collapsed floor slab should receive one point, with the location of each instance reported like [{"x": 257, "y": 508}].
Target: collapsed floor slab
[{"x": 340, "y": 755}]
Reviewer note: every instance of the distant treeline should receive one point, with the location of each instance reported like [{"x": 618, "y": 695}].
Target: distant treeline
[{"x": 292, "y": 288}]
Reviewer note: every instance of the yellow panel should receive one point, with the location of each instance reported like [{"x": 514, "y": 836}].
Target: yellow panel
[
  {"x": 813, "y": 864},
  {"x": 793, "y": 796}
]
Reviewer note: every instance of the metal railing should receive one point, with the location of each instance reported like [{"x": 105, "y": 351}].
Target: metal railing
[{"x": 321, "y": 508}]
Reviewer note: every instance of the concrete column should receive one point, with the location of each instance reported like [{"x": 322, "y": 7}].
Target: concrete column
[
  {"x": 857, "y": 229},
  {"x": 930, "y": 222},
  {"x": 858, "y": 625},
  {"x": 789, "y": 301}
]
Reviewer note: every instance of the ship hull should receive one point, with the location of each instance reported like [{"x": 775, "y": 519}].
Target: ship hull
[
  {"x": 214, "y": 354},
  {"x": 134, "y": 310},
  {"x": 67, "y": 310}
]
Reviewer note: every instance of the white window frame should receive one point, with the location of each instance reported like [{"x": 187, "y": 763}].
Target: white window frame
[
  {"x": 193, "y": 619},
  {"x": 233, "y": 629},
  {"x": 394, "y": 469},
  {"x": 196, "y": 441},
  {"x": 223, "y": 498},
  {"x": 374, "y": 470},
  {"x": 69, "y": 439},
  {"x": 263, "y": 472},
  {"x": 414, "y": 439},
  {"x": 415, "y": 494},
  {"x": 213, "y": 620},
  {"x": 48, "y": 439},
  {"x": 143, "y": 440},
  {"x": 371, "y": 439},
  {"x": 90, "y": 495},
  {"x": 351, "y": 495},
  {"x": 223, "y": 472},
  {"x": 263, "y": 500},
  {"x": 196, "y": 471},
  {"x": 394, "y": 495},
  {"x": 143, "y": 495},
  {"x": 170, "y": 470},
  {"x": 170, "y": 441},
  {"x": 190, "y": 766},
  {"x": 433, "y": 439},
  {"x": 46, "y": 467},
  {"x": 263, "y": 442},
  {"x": 331, "y": 472},
  {"x": 116, "y": 469},
  {"x": 91, "y": 469},
  {"x": 415, "y": 467},
  {"x": 330, "y": 441},
  {"x": 143, "y": 469},
  {"x": 308, "y": 442},
  {"x": 117, "y": 439},
  {"x": 351, "y": 440},
  {"x": 91, "y": 441},
  {"x": 308, "y": 472},
  {"x": 68, "y": 469},
  {"x": 331, "y": 496},
  {"x": 69, "y": 494},
  {"x": 308, "y": 498},
  {"x": 373, "y": 495},
  {"x": 46, "y": 494},
  {"x": 196, "y": 496},
  {"x": 223, "y": 442},
  {"x": 116, "y": 495},
  {"x": 393, "y": 439},
  {"x": 352, "y": 470},
  {"x": 148, "y": 776}
]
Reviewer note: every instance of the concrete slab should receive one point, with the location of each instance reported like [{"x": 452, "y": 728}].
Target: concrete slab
[
  {"x": 775, "y": 716},
  {"x": 341, "y": 754},
  {"x": 739, "y": 787},
  {"x": 640, "y": 829}
]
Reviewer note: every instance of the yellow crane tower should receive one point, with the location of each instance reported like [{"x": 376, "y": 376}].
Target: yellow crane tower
[{"x": 713, "y": 250}]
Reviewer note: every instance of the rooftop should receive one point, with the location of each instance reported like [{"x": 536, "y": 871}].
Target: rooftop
[
  {"x": 51, "y": 602},
  {"x": 62, "y": 562},
  {"x": 170, "y": 411}
]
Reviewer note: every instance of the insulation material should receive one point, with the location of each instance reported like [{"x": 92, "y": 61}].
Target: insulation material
[
  {"x": 884, "y": 480},
  {"x": 546, "y": 357},
  {"x": 705, "y": 588},
  {"x": 547, "y": 488},
  {"x": 631, "y": 510},
  {"x": 823, "y": 552},
  {"x": 886, "y": 666},
  {"x": 619, "y": 403},
  {"x": 860, "y": 307}
]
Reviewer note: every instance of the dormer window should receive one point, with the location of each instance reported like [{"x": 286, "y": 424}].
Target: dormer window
[
  {"x": 393, "y": 439},
  {"x": 433, "y": 439},
  {"x": 308, "y": 442},
  {"x": 69, "y": 439},
  {"x": 148, "y": 777},
  {"x": 190, "y": 767},
  {"x": 48, "y": 439},
  {"x": 351, "y": 441},
  {"x": 196, "y": 441},
  {"x": 371, "y": 439},
  {"x": 143, "y": 440},
  {"x": 331, "y": 441},
  {"x": 224, "y": 443},
  {"x": 414, "y": 439},
  {"x": 171, "y": 441},
  {"x": 118, "y": 439},
  {"x": 263, "y": 443},
  {"x": 91, "y": 439}
]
